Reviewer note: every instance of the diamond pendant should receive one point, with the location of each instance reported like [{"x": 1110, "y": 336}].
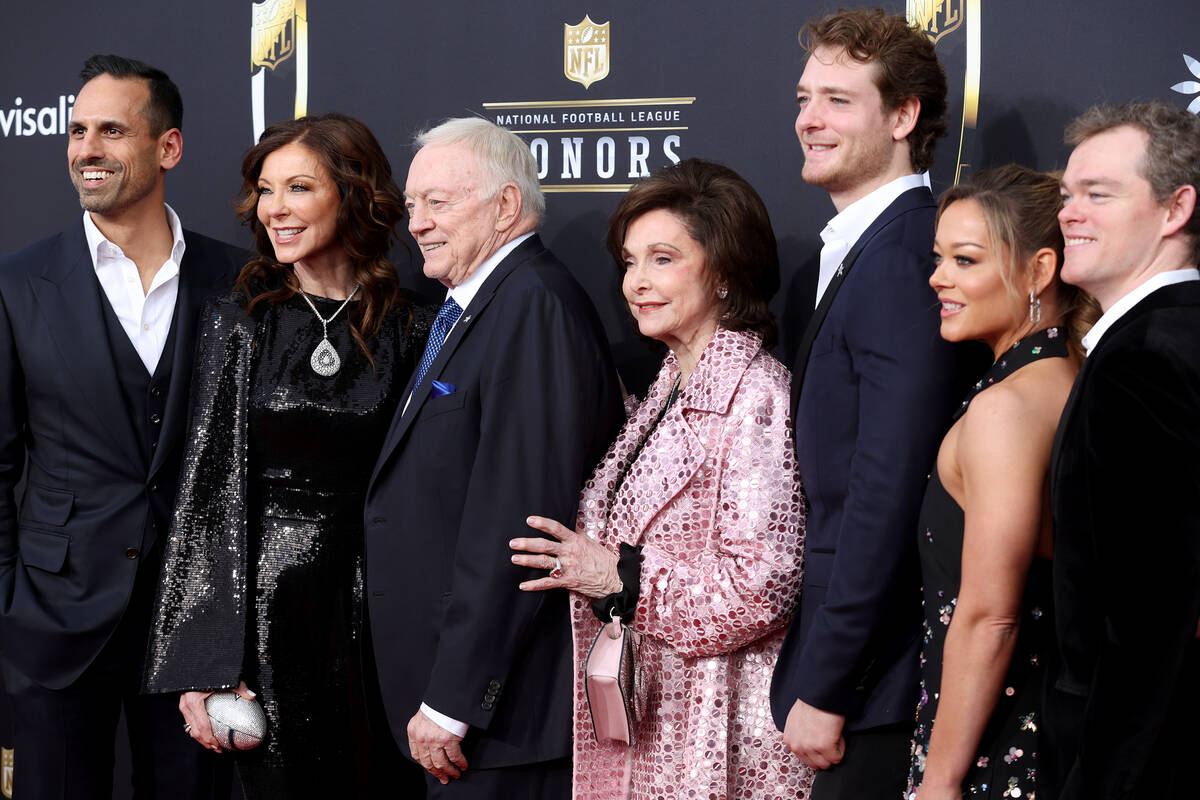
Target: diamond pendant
[{"x": 325, "y": 360}]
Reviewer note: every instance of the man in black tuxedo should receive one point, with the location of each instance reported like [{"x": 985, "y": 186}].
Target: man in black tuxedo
[
  {"x": 96, "y": 340},
  {"x": 873, "y": 387},
  {"x": 514, "y": 402},
  {"x": 1122, "y": 708}
]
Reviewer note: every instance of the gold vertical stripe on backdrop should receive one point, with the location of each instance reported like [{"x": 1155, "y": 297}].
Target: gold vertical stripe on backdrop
[{"x": 301, "y": 58}]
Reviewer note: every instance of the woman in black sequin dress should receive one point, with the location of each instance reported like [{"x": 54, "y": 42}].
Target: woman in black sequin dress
[
  {"x": 298, "y": 373},
  {"x": 984, "y": 534}
]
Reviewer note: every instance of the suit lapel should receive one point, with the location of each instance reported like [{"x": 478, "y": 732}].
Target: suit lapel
[
  {"x": 70, "y": 296},
  {"x": 404, "y": 417},
  {"x": 197, "y": 278},
  {"x": 912, "y": 198}
]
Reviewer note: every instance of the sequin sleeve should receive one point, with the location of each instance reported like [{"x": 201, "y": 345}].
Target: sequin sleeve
[{"x": 744, "y": 583}]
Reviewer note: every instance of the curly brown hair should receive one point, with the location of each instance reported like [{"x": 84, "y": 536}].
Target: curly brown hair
[
  {"x": 728, "y": 219},
  {"x": 371, "y": 206},
  {"x": 908, "y": 67}
]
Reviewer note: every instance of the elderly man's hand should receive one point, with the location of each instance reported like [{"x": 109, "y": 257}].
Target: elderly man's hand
[
  {"x": 435, "y": 748},
  {"x": 815, "y": 735}
]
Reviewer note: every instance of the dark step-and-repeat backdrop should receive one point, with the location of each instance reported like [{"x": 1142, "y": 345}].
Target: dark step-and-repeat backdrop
[{"x": 604, "y": 92}]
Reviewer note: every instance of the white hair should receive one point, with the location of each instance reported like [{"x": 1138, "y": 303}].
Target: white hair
[{"x": 502, "y": 155}]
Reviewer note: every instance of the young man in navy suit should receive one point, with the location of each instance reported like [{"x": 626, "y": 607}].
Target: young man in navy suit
[
  {"x": 514, "y": 402},
  {"x": 96, "y": 338},
  {"x": 873, "y": 387},
  {"x": 1124, "y": 698}
]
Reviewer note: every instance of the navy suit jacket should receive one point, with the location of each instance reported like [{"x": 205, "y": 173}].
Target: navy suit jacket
[
  {"x": 874, "y": 404},
  {"x": 1122, "y": 709},
  {"x": 70, "y": 547},
  {"x": 534, "y": 405}
]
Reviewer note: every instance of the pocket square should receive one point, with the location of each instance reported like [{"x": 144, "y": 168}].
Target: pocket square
[{"x": 441, "y": 389}]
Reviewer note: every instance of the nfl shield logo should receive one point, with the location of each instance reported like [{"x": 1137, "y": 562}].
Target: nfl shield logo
[
  {"x": 272, "y": 32},
  {"x": 935, "y": 18},
  {"x": 585, "y": 51}
]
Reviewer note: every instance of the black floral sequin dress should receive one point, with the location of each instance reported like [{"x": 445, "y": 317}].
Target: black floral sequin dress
[
  {"x": 1006, "y": 759},
  {"x": 280, "y": 562}
]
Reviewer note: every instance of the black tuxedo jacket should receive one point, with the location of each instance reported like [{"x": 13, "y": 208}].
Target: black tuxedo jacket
[
  {"x": 1122, "y": 714},
  {"x": 876, "y": 395},
  {"x": 71, "y": 545},
  {"x": 533, "y": 406}
]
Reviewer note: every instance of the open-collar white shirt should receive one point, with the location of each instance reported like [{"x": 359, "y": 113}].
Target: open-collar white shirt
[
  {"x": 851, "y": 222},
  {"x": 145, "y": 316}
]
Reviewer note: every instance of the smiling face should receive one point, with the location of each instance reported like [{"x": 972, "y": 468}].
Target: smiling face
[
  {"x": 450, "y": 213},
  {"x": 666, "y": 282},
  {"x": 1112, "y": 224},
  {"x": 847, "y": 135},
  {"x": 298, "y": 205},
  {"x": 969, "y": 281},
  {"x": 115, "y": 161}
]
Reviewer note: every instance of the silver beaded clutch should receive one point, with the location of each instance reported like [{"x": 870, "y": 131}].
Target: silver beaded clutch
[{"x": 238, "y": 723}]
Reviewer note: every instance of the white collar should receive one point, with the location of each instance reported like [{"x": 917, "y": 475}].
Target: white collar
[
  {"x": 1128, "y": 301},
  {"x": 853, "y": 220},
  {"x": 465, "y": 292},
  {"x": 96, "y": 240}
]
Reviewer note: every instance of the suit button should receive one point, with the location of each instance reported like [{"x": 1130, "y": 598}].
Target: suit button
[
  {"x": 486, "y": 706},
  {"x": 156, "y": 391},
  {"x": 494, "y": 685},
  {"x": 156, "y": 418},
  {"x": 489, "y": 698},
  {"x": 131, "y": 553}
]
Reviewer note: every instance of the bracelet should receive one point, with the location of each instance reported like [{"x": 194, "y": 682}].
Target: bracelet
[{"x": 623, "y": 603}]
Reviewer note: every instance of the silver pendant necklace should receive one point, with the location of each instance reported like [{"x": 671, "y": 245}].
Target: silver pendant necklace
[{"x": 325, "y": 360}]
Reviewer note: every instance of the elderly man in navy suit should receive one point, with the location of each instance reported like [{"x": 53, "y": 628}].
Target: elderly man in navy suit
[
  {"x": 873, "y": 389},
  {"x": 510, "y": 408},
  {"x": 96, "y": 339},
  {"x": 1122, "y": 708}
]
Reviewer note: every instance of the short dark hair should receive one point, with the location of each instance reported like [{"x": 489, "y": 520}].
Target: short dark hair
[
  {"x": 908, "y": 67},
  {"x": 724, "y": 214},
  {"x": 165, "y": 107},
  {"x": 370, "y": 208},
  {"x": 1172, "y": 157}
]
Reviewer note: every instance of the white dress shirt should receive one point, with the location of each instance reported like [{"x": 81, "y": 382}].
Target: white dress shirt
[
  {"x": 844, "y": 230},
  {"x": 145, "y": 316},
  {"x": 1122, "y": 306},
  {"x": 463, "y": 294}
]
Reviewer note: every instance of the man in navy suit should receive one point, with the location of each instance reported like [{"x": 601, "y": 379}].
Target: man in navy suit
[
  {"x": 873, "y": 386},
  {"x": 514, "y": 402},
  {"x": 96, "y": 340},
  {"x": 1124, "y": 698}
]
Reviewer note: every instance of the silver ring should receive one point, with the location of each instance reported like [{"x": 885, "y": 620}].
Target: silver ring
[
  {"x": 187, "y": 727},
  {"x": 557, "y": 571}
]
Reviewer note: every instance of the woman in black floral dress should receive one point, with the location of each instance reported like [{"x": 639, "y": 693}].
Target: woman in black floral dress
[{"x": 984, "y": 535}]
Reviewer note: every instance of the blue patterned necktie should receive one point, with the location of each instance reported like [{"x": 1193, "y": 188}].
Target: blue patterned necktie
[{"x": 446, "y": 317}]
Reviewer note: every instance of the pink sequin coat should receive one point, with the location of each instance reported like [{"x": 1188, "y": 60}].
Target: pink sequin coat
[{"x": 714, "y": 499}]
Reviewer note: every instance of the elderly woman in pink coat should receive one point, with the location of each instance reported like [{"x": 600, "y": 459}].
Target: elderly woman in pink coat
[{"x": 692, "y": 525}]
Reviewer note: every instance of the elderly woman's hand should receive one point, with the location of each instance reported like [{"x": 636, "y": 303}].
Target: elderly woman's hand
[{"x": 575, "y": 561}]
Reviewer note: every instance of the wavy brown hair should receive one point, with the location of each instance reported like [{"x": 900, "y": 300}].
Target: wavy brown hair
[
  {"x": 908, "y": 67},
  {"x": 728, "y": 219},
  {"x": 371, "y": 206},
  {"x": 1020, "y": 207}
]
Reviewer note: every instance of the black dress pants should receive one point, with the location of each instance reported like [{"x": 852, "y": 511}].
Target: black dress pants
[
  {"x": 65, "y": 739},
  {"x": 874, "y": 767}
]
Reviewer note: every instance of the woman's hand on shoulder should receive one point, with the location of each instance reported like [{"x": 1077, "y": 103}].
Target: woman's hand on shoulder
[{"x": 574, "y": 560}]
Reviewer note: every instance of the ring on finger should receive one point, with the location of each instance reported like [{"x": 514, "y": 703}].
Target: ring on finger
[
  {"x": 187, "y": 727},
  {"x": 557, "y": 571}
]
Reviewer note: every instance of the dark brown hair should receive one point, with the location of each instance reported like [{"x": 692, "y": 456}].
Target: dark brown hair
[
  {"x": 724, "y": 214},
  {"x": 1020, "y": 207},
  {"x": 371, "y": 206},
  {"x": 908, "y": 67},
  {"x": 1172, "y": 157}
]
